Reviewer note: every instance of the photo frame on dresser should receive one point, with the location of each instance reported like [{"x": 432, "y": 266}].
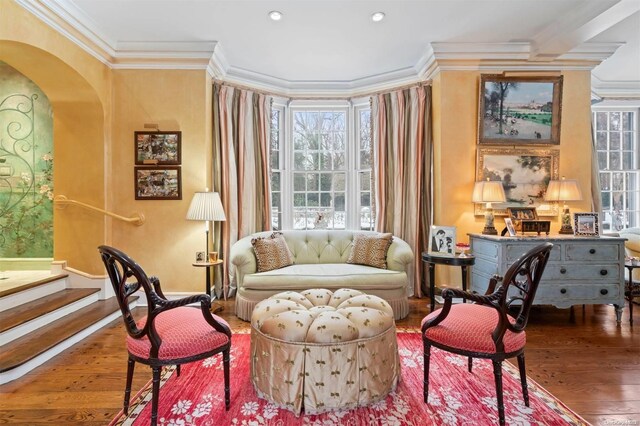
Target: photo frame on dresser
[{"x": 586, "y": 224}]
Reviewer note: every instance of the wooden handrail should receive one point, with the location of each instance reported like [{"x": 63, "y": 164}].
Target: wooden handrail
[{"x": 137, "y": 220}]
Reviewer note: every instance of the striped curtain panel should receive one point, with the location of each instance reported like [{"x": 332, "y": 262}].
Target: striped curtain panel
[
  {"x": 241, "y": 127},
  {"x": 403, "y": 156}
]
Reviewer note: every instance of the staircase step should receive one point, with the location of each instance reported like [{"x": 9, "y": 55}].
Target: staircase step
[
  {"x": 26, "y": 348},
  {"x": 26, "y": 281},
  {"x": 31, "y": 289},
  {"x": 23, "y": 319}
]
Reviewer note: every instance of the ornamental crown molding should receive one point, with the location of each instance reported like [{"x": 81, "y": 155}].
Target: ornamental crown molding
[
  {"x": 604, "y": 89},
  {"x": 68, "y": 20}
]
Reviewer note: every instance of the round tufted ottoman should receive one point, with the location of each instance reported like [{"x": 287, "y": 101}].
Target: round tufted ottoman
[{"x": 319, "y": 350}]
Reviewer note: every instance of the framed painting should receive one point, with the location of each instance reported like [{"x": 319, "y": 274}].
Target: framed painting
[
  {"x": 586, "y": 224},
  {"x": 158, "y": 148},
  {"x": 442, "y": 240},
  {"x": 525, "y": 174},
  {"x": 158, "y": 183},
  {"x": 519, "y": 110}
]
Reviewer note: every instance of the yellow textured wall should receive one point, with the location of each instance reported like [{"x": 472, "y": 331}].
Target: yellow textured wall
[
  {"x": 165, "y": 245},
  {"x": 78, "y": 87},
  {"x": 455, "y": 137}
]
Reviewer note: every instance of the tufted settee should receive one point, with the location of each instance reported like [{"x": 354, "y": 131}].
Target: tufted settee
[{"x": 320, "y": 261}]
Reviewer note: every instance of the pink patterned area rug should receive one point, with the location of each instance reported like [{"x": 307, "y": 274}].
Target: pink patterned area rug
[{"x": 456, "y": 397}]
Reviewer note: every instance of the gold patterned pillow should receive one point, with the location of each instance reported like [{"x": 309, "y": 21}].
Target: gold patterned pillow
[
  {"x": 272, "y": 252},
  {"x": 370, "y": 250}
]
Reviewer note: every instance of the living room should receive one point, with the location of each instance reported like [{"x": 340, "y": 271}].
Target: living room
[{"x": 161, "y": 68}]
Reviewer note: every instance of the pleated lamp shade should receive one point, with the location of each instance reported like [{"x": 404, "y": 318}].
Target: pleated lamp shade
[
  {"x": 563, "y": 190},
  {"x": 487, "y": 191},
  {"x": 206, "y": 206}
]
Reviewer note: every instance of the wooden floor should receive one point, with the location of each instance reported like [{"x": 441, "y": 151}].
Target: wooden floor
[{"x": 587, "y": 361}]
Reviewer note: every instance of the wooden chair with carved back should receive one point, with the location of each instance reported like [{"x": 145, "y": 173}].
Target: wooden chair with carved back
[
  {"x": 171, "y": 333},
  {"x": 485, "y": 328}
]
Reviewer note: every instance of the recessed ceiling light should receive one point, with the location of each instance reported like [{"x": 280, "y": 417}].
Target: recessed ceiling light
[
  {"x": 275, "y": 15},
  {"x": 377, "y": 17}
]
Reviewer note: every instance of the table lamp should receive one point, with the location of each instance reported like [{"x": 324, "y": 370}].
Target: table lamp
[
  {"x": 564, "y": 190},
  {"x": 489, "y": 192},
  {"x": 206, "y": 206}
]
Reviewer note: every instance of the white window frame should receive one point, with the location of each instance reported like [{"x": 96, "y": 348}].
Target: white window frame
[
  {"x": 622, "y": 107},
  {"x": 351, "y": 109}
]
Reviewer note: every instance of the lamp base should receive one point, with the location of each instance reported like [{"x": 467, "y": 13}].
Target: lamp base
[
  {"x": 490, "y": 230},
  {"x": 566, "y": 229}
]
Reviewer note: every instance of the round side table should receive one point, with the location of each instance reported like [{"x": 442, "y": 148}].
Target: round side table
[
  {"x": 432, "y": 260},
  {"x": 210, "y": 266}
]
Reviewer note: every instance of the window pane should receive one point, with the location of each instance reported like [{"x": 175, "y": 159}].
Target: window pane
[
  {"x": 365, "y": 199},
  {"x": 325, "y": 199},
  {"x": 365, "y": 181},
  {"x": 338, "y": 161},
  {"x": 614, "y": 160},
  {"x": 601, "y": 141},
  {"x": 614, "y": 121},
  {"x": 299, "y": 142},
  {"x": 325, "y": 161},
  {"x": 365, "y": 159},
  {"x": 275, "y": 199},
  {"x": 313, "y": 181},
  {"x": 312, "y": 199},
  {"x": 606, "y": 200},
  {"x": 339, "y": 201},
  {"x": 299, "y": 182},
  {"x": 627, "y": 161},
  {"x": 614, "y": 141},
  {"x": 602, "y": 161},
  {"x": 325, "y": 181},
  {"x": 631, "y": 180},
  {"x": 618, "y": 181},
  {"x": 617, "y": 200},
  {"x": 298, "y": 200},
  {"x": 628, "y": 121},
  {"x": 275, "y": 181},
  {"x": 605, "y": 181},
  {"x": 275, "y": 160},
  {"x": 601, "y": 120},
  {"x": 627, "y": 140},
  {"x": 339, "y": 183},
  {"x": 338, "y": 142}
]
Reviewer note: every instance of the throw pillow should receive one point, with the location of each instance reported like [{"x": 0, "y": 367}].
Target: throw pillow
[
  {"x": 272, "y": 252},
  {"x": 370, "y": 250}
]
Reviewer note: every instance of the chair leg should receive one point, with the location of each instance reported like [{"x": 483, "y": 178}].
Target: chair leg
[
  {"x": 155, "y": 395},
  {"x": 178, "y": 369},
  {"x": 470, "y": 362},
  {"x": 427, "y": 359},
  {"x": 225, "y": 362},
  {"x": 523, "y": 379},
  {"x": 630, "y": 309},
  {"x": 127, "y": 390},
  {"x": 497, "y": 373}
]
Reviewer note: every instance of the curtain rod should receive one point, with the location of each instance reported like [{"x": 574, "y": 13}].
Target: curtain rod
[{"x": 329, "y": 98}]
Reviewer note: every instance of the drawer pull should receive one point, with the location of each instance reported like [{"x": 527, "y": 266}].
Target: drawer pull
[
  {"x": 604, "y": 291},
  {"x": 592, "y": 251},
  {"x": 603, "y": 272},
  {"x": 563, "y": 270},
  {"x": 563, "y": 290}
]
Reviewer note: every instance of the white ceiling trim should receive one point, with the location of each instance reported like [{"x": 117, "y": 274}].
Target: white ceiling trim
[
  {"x": 615, "y": 89},
  {"x": 65, "y": 18}
]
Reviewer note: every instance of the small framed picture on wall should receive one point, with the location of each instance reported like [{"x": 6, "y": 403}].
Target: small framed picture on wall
[
  {"x": 158, "y": 148},
  {"x": 158, "y": 183}
]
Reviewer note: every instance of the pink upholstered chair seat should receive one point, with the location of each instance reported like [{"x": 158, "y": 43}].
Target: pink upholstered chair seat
[
  {"x": 469, "y": 327},
  {"x": 184, "y": 333}
]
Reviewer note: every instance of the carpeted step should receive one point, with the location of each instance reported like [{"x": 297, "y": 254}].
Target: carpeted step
[
  {"x": 24, "y": 349},
  {"x": 22, "y": 314}
]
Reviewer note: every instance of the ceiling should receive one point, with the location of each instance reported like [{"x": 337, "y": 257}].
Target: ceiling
[{"x": 330, "y": 43}]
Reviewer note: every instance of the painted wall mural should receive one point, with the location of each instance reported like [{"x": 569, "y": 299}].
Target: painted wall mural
[{"x": 26, "y": 168}]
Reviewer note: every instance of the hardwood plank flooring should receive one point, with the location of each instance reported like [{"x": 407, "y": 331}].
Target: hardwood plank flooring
[{"x": 585, "y": 359}]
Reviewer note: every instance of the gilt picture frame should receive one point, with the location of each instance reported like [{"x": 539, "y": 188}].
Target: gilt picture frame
[
  {"x": 158, "y": 148},
  {"x": 525, "y": 174},
  {"x": 519, "y": 110}
]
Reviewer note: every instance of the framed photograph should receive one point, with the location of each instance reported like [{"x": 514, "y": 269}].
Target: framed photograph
[
  {"x": 586, "y": 224},
  {"x": 525, "y": 174},
  {"x": 510, "y": 228},
  {"x": 158, "y": 148},
  {"x": 442, "y": 240},
  {"x": 519, "y": 110},
  {"x": 158, "y": 183}
]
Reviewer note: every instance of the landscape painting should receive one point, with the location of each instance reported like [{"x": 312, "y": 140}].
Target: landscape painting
[
  {"x": 524, "y": 173},
  {"x": 519, "y": 110}
]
